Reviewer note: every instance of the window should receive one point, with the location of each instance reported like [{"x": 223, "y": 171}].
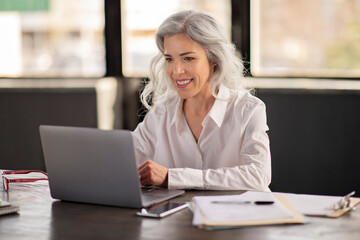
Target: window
[
  {"x": 141, "y": 18},
  {"x": 52, "y": 38},
  {"x": 318, "y": 38}
]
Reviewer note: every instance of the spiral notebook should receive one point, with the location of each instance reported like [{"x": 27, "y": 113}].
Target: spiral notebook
[{"x": 7, "y": 208}]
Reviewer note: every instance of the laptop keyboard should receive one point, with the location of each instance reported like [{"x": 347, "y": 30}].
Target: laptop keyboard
[
  {"x": 153, "y": 191},
  {"x": 152, "y": 194},
  {"x": 145, "y": 190}
]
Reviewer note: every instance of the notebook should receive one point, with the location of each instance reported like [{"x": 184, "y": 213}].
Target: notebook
[
  {"x": 7, "y": 208},
  {"x": 96, "y": 166}
]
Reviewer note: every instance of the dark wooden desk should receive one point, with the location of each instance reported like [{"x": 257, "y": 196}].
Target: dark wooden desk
[{"x": 42, "y": 217}]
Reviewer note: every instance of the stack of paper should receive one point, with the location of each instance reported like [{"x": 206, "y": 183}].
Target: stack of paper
[{"x": 242, "y": 210}]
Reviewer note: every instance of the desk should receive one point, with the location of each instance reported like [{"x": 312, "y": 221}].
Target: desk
[{"x": 42, "y": 217}]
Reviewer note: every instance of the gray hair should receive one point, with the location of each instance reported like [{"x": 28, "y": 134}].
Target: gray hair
[{"x": 206, "y": 31}]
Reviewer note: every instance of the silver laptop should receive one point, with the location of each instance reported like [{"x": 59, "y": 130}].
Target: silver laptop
[{"x": 96, "y": 166}]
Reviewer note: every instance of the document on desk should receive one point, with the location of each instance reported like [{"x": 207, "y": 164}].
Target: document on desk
[{"x": 250, "y": 208}]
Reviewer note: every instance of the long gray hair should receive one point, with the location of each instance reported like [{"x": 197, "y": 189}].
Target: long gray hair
[{"x": 206, "y": 31}]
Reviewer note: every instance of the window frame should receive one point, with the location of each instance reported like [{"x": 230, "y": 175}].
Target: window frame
[{"x": 241, "y": 27}]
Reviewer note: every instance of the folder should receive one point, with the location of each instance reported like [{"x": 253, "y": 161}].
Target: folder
[{"x": 294, "y": 217}]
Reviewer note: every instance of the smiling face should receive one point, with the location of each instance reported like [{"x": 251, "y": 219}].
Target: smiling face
[{"x": 187, "y": 66}]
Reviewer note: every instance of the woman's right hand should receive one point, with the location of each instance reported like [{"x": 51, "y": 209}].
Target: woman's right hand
[{"x": 153, "y": 174}]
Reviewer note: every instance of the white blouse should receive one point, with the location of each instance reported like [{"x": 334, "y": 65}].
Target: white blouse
[{"x": 232, "y": 152}]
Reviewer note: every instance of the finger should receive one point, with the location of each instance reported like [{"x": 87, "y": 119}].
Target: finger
[
  {"x": 146, "y": 181},
  {"x": 145, "y": 175},
  {"x": 144, "y": 170},
  {"x": 144, "y": 165},
  {"x": 141, "y": 169}
]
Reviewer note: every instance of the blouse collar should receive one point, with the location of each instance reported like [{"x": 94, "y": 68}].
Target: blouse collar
[{"x": 216, "y": 113}]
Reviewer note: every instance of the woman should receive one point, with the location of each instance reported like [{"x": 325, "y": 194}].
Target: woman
[{"x": 203, "y": 130}]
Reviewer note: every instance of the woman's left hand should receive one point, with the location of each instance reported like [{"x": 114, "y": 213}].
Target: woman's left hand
[{"x": 153, "y": 174}]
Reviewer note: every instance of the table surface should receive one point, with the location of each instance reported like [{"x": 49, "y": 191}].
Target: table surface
[{"x": 41, "y": 217}]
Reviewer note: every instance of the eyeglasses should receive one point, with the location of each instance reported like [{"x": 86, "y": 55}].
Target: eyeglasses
[{"x": 8, "y": 177}]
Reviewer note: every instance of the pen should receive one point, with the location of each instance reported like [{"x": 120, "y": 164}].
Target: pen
[{"x": 244, "y": 202}]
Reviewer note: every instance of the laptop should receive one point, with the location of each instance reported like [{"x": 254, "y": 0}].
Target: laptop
[{"x": 96, "y": 166}]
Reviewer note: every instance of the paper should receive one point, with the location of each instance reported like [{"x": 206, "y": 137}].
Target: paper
[{"x": 204, "y": 208}]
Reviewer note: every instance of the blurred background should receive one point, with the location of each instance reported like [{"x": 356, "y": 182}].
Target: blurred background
[{"x": 83, "y": 63}]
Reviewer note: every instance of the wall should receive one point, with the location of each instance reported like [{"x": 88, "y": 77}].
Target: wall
[
  {"x": 23, "y": 110},
  {"x": 314, "y": 137}
]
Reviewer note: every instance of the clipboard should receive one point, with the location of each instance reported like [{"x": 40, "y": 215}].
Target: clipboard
[
  {"x": 322, "y": 205},
  {"x": 338, "y": 213}
]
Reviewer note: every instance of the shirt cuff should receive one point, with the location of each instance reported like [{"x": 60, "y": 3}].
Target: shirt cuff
[{"x": 185, "y": 178}]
